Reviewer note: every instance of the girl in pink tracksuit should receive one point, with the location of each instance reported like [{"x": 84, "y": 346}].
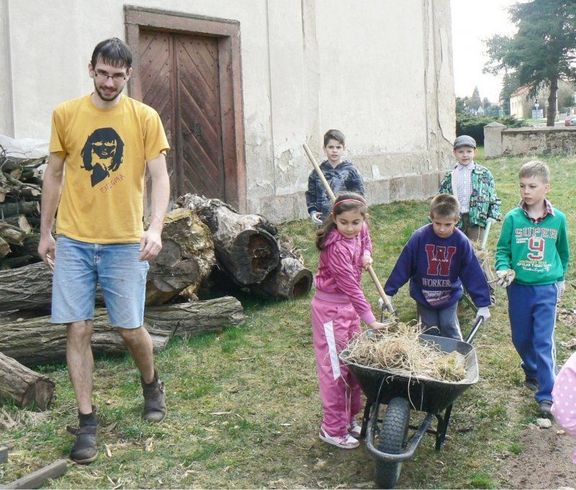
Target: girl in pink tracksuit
[{"x": 337, "y": 308}]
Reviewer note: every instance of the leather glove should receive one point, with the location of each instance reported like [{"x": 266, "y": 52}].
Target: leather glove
[
  {"x": 483, "y": 312},
  {"x": 316, "y": 218},
  {"x": 561, "y": 287},
  {"x": 505, "y": 277}
]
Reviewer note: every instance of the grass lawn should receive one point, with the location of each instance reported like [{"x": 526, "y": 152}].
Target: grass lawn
[{"x": 244, "y": 410}]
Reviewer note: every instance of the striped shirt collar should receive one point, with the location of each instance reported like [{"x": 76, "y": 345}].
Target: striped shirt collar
[
  {"x": 465, "y": 168},
  {"x": 548, "y": 210}
]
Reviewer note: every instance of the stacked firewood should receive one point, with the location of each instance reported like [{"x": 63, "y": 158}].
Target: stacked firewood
[{"x": 20, "y": 191}]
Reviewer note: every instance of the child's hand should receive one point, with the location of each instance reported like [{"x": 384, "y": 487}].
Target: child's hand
[
  {"x": 315, "y": 216},
  {"x": 366, "y": 261},
  {"x": 505, "y": 277},
  {"x": 378, "y": 325}
]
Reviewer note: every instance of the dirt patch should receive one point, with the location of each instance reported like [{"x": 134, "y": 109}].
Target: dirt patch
[{"x": 545, "y": 461}]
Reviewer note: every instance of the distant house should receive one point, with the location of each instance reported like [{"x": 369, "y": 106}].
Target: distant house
[
  {"x": 241, "y": 85},
  {"x": 520, "y": 103}
]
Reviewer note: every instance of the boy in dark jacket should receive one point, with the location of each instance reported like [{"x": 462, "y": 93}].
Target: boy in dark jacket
[
  {"x": 438, "y": 260},
  {"x": 340, "y": 174}
]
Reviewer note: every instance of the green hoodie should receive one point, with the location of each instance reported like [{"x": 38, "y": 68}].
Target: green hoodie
[{"x": 538, "y": 252}]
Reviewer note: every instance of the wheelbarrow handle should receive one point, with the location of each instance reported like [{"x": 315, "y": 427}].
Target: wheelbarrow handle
[{"x": 477, "y": 324}]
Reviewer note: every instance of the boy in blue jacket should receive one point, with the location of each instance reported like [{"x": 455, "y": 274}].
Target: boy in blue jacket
[
  {"x": 532, "y": 258},
  {"x": 439, "y": 261},
  {"x": 341, "y": 174}
]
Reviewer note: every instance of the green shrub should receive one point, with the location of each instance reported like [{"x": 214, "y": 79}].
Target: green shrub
[{"x": 474, "y": 125}]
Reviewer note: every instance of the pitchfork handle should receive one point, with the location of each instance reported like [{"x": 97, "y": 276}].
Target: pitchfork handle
[{"x": 333, "y": 197}]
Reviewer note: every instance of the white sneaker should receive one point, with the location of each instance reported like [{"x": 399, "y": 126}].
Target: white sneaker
[
  {"x": 345, "y": 442},
  {"x": 355, "y": 429}
]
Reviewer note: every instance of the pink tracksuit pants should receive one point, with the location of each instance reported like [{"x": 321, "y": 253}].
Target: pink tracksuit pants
[{"x": 333, "y": 325}]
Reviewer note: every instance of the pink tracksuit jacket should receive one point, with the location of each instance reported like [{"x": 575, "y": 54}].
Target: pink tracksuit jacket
[{"x": 337, "y": 308}]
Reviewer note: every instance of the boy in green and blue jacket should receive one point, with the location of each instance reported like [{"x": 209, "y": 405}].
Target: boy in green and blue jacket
[
  {"x": 473, "y": 185},
  {"x": 531, "y": 262}
]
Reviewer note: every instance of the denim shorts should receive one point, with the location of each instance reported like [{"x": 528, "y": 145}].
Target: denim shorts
[{"x": 80, "y": 266}]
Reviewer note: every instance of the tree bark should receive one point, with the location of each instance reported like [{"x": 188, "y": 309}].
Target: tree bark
[
  {"x": 194, "y": 317},
  {"x": 36, "y": 340},
  {"x": 24, "y": 386},
  {"x": 551, "y": 114},
  {"x": 25, "y": 288},
  {"x": 186, "y": 258},
  {"x": 245, "y": 246}
]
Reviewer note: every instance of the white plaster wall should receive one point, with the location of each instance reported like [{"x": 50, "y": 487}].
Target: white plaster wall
[{"x": 377, "y": 72}]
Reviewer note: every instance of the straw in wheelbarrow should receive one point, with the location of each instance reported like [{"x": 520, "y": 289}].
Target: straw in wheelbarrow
[{"x": 400, "y": 350}]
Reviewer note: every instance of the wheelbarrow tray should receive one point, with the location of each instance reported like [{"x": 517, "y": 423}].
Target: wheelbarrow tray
[{"x": 425, "y": 394}]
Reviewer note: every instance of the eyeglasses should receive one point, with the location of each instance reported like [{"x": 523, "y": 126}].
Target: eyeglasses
[{"x": 116, "y": 77}]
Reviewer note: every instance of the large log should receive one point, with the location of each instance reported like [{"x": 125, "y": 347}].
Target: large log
[
  {"x": 24, "y": 386},
  {"x": 194, "y": 317},
  {"x": 36, "y": 340},
  {"x": 245, "y": 246},
  {"x": 186, "y": 258},
  {"x": 290, "y": 280},
  {"x": 25, "y": 288}
]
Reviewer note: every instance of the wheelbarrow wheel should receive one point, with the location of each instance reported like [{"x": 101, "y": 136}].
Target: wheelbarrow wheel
[{"x": 392, "y": 439}]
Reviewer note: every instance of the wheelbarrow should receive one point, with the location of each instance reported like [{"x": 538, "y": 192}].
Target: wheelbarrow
[{"x": 391, "y": 439}]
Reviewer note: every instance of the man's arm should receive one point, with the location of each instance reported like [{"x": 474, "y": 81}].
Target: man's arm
[
  {"x": 51, "y": 191},
  {"x": 151, "y": 241}
]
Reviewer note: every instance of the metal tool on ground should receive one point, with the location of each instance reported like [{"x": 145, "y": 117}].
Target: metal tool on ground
[{"x": 332, "y": 196}]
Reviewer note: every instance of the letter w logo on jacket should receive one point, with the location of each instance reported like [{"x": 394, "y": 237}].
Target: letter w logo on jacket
[{"x": 439, "y": 259}]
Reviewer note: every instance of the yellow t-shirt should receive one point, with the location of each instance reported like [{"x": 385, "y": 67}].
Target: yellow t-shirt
[{"x": 106, "y": 151}]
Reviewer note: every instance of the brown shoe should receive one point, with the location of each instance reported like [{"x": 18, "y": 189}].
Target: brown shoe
[
  {"x": 154, "y": 400},
  {"x": 84, "y": 450}
]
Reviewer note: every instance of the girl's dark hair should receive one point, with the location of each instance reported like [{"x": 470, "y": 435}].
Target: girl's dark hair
[
  {"x": 334, "y": 134},
  {"x": 113, "y": 52},
  {"x": 345, "y": 201}
]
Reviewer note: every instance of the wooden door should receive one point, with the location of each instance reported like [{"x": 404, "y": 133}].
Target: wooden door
[{"x": 180, "y": 78}]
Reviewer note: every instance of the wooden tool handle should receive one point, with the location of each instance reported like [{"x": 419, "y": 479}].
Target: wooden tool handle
[{"x": 333, "y": 197}]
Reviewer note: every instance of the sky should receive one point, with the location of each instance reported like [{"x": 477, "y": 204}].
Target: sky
[{"x": 474, "y": 21}]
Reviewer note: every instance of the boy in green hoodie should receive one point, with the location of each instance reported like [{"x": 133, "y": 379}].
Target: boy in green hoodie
[{"x": 531, "y": 262}]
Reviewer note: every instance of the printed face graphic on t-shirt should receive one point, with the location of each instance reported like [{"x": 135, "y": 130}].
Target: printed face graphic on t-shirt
[{"x": 102, "y": 153}]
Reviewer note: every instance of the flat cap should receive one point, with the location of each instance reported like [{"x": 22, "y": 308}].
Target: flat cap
[{"x": 464, "y": 140}]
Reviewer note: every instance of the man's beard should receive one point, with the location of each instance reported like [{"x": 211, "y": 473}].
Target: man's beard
[{"x": 107, "y": 98}]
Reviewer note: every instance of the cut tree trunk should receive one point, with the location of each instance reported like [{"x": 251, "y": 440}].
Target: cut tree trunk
[
  {"x": 289, "y": 281},
  {"x": 25, "y": 288},
  {"x": 186, "y": 258},
  {"x": 245, "y": 246},
  {"x": 36, "y": 340},
  {"x": 194, "y": 317},
  {"x": 24, "y": 386}
]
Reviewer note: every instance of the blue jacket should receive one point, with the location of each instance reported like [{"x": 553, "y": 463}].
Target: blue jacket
[
  {"x": 343, "y": 177},
  {"x": 437, "y": 268}
]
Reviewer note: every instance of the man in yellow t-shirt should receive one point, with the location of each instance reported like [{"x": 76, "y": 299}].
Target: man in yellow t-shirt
[{"x": 100, "y": 148}]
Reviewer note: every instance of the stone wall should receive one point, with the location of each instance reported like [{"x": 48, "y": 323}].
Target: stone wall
[{"x": 502, "y": 141}]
